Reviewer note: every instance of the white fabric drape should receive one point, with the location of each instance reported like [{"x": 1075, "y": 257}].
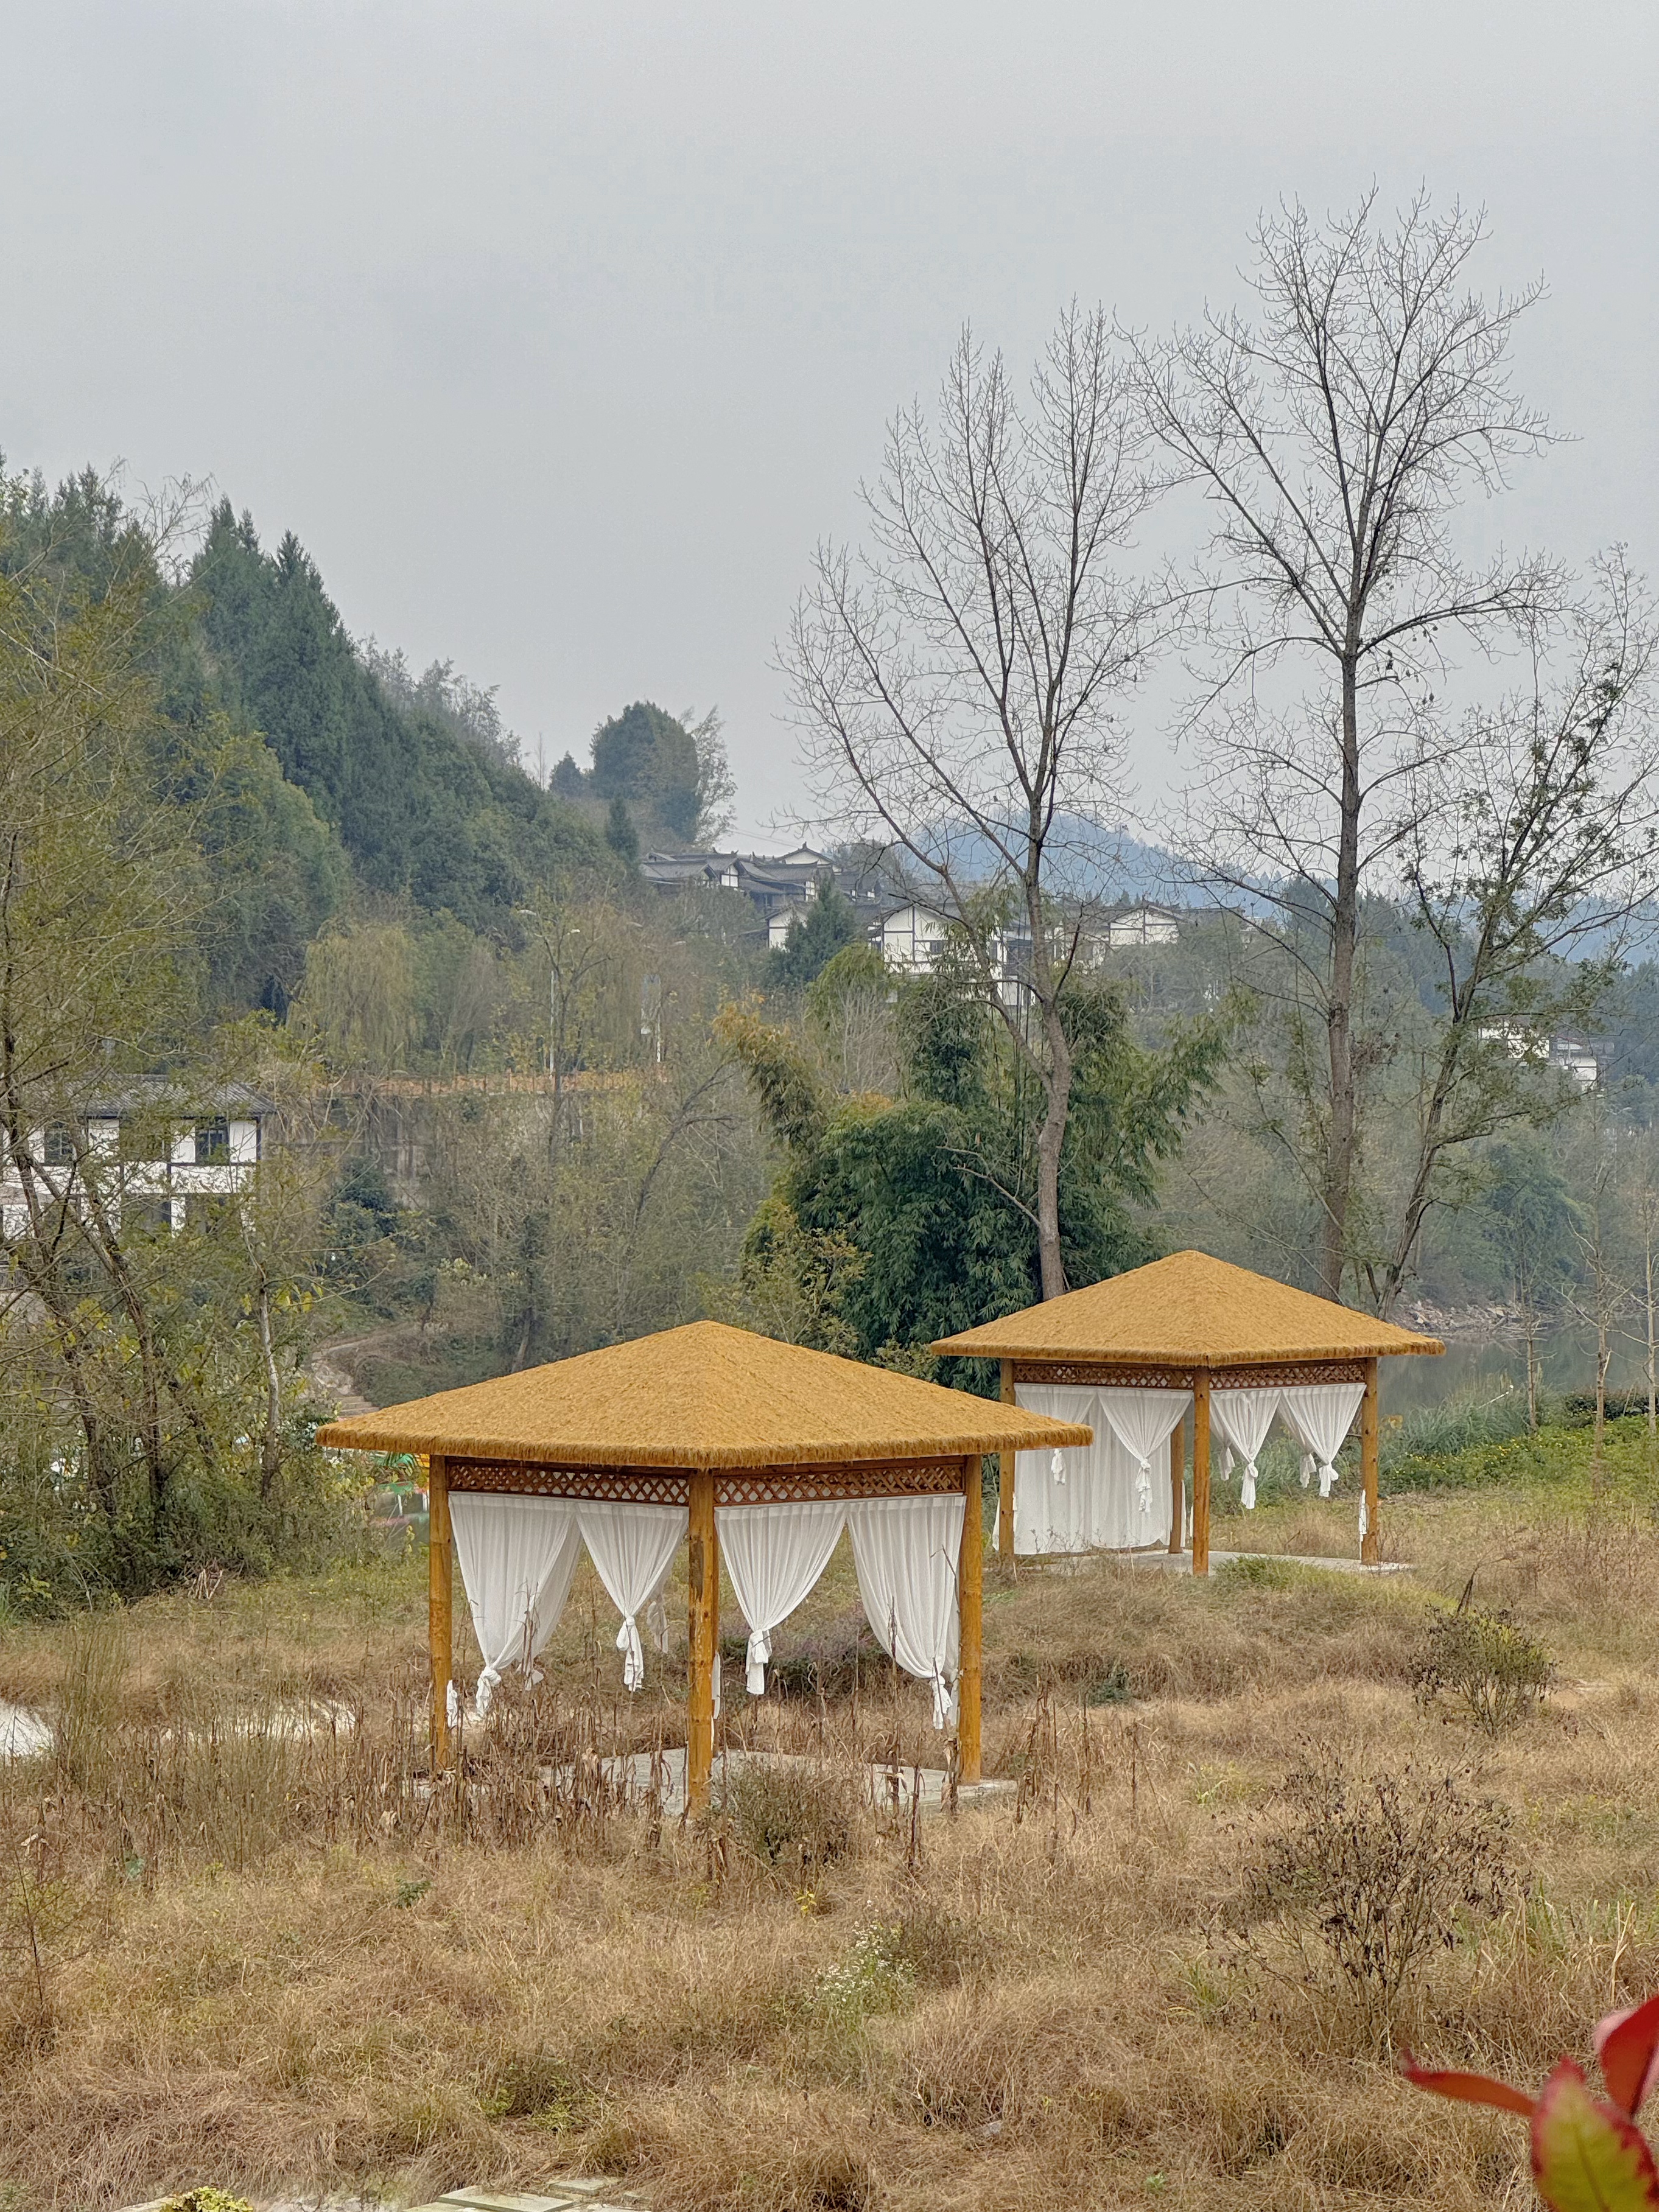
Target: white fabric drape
[
  {"x": 908, "y": 1551},
  {"x": 1099, "y": 1503},
  {"x": 1142, "y": 1421},
  {"x": 1244, "y": 1418},
  {"x": 1058, "y": 1495},
  {"x": 516, "y": 1556},
  {"x": 1319, "y": 1416},
  {"x": 775, "y": 1554},
  {"x": 632, "y": 1548}
]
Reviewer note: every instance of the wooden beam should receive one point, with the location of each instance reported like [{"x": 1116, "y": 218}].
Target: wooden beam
[
  {"x": 1201, "y": 1472},
  {"x": 440, "y": 1608},
  {"x": 1006, "y": 1480},
  {"x": 702, "y": 1640},
  {"x": 970, "y": 1600},
  {"x": 1371, "y": 1544},
  {"x": 1177, "y": 1485}
]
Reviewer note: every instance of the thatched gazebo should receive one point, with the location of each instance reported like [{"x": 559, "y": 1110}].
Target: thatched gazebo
[
  {"x": 1133, "y": 1354},
  {"x": 736, "y": 1442}
]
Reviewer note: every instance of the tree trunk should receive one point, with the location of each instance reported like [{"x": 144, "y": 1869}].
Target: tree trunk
[
  {"x": 1056, "y": 1104},
  {"x": 1339, "y": 1018},
  {"x": 270, "y": 1442}
]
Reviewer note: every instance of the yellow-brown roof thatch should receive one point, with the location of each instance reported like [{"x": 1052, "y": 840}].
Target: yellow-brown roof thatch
[
  {"x": 1187, "y": 1311},
  {"x": 702, "y": 1396}
]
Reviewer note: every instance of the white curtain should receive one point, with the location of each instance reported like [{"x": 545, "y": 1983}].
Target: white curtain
[
  {"x": 1060, "y": 1496},
  {"x": 516, "y": 1556},
  {"x": 1244, "y": 1418},
  {"x": 775, "y": 1554},
  {"x": 1319, "y": 1416},
  {"x": 908, "y": 1551},
  {"x": 1143, "y": 1421},
  {"x": 633, "y": 1548},
  {"x": 1098, "y": 1502}
]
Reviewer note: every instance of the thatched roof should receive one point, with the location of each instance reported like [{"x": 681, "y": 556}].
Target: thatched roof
[
  {"x": 1188, "y": 1309},
  {"x": 702, "y": 1396}
]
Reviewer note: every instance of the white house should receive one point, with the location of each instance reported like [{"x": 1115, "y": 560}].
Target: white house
[
  {"x": 1144, "y": 925},
  {"x": 153, "y": 1149},
  {"x": 911, "y": 939}
]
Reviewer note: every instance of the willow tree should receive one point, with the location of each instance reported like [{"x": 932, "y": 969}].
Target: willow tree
[{"x": 956, "y": 680}]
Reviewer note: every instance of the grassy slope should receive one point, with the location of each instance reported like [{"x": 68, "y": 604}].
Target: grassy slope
[{"x": 251, "y": 1974}]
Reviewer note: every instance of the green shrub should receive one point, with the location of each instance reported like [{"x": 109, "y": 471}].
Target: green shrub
[
  {"x": 1494, "y": 1669},
  {"x": 792, "y": 1816}
]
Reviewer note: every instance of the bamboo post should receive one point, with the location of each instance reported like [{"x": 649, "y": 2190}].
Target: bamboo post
[
  {"x": 702, "y": 1640},
  {"x": 970, "y": 1593},
  {"x": 1177, "y": 1486},
  {"x": 440, "y": 1610},
  {"x": 1371, "y": 1547},
  {"x": 1201, "y": 1472},
  {"x": 1005, "y": 1481}
]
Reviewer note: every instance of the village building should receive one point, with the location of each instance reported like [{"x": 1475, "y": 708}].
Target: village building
[{"x": 163, "y": 1157}]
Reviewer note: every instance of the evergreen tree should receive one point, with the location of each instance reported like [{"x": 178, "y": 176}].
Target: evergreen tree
[
  {"x": 620, "y": 835},
  {"x": 649, "y": 759},
  {"x": 826, "y": 927}
]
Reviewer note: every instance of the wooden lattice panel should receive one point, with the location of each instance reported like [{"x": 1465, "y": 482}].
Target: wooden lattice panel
[
  {"x": 797, "y": 1485},
  {"x": 760, "y": 1486},
  {"x": 1086, "y": 1374},
  {"x": 1094, "y": 1376},
  {"x": 619, "y": 1486},
  {"x": 1287, "y": 1375}
]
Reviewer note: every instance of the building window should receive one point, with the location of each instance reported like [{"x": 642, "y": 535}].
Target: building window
[
  {"x": 59, "y": 1149},
  {"x": 213, "y": 1143}
]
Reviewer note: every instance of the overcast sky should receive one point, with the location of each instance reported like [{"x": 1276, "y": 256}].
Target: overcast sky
[{"x": 559, "y": 334}]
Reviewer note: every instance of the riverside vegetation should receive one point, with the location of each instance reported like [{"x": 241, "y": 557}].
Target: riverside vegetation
[{"x": 1248, "y": 1861}]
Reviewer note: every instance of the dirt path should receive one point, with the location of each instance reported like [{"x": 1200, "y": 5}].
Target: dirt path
[{"x": 331, "y": 1371}]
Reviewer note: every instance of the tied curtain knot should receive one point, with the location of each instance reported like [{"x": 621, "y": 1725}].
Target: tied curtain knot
[
  {"x": 755, "y": 1662},
  {"x": 1057, "y": 1464},
  {"x": 633, "y": 1651},
  {"x": 944, "y": 1702}
]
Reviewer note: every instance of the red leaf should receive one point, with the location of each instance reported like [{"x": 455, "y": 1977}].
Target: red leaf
[
  {"x": 1467, "y": 2088},
  {"x": 1586, "y": 2155},
  {"x": 1627, "y": 2044}
]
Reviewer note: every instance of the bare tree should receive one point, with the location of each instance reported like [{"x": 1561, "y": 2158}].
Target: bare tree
[
  {"x": 1334, "y": 439},
  {"x": 1527, "y": 837},
  {"x": 955, "y": 680}
]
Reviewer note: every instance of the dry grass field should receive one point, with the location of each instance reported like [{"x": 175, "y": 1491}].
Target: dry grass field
[{"x": 1244, "y": 1863}]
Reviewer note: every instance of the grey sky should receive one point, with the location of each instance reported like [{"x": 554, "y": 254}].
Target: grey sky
[{"x": 559, "y": 333}]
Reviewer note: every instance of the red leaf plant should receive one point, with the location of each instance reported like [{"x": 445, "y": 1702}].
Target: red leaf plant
[{"x": 1587, "y": 2156}]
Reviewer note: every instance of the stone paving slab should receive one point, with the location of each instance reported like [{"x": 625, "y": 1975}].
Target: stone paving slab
[
  {"x": 569, "y": 2192},
  {"x": 1180, "y": 1563},
  {"x": 890, "y": 1789}
]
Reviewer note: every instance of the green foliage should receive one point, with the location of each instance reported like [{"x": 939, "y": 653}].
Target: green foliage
[
  {"x": 1557, "y": 1456},
  {"x": 934, "y": 1190},
  {"x": 826, "y": 927},
  {"x": 420, "y": 804},
  {"x": 207, "y": 2200},
  {"x": 650, "y": 760},
  {"x": 792, "y": 1816},
  {"x": 1494, "y": 1669},
  {"x": 620, "y": 834}
]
